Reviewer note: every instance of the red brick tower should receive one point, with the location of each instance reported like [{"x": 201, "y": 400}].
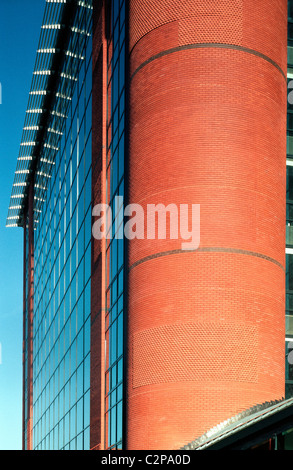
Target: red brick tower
[{"x": 207, "y": 126}]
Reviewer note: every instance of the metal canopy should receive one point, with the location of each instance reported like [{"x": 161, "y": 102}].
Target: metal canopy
[
  {"x": 259, "y": 419},
  {"x": 56, "y": 69}
]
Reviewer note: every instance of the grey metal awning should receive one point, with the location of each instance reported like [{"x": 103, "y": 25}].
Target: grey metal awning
[{"x": 243, "y": 425}]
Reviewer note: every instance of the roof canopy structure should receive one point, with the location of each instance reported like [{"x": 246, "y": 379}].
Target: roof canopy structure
[
  {"x": 248, "y": 428},
  {"x": 51, "y": 91}
]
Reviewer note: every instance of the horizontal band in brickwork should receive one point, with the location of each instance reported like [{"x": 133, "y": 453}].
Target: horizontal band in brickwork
[
  {"x": 235, "y": 22},
  {"x": 209, "y": 46},
  {"x": 205, "y": 142},
  {"x": 207, "y": 250}
]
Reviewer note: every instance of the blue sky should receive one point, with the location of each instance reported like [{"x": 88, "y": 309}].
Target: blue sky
[{"x": 20, "y": 26}]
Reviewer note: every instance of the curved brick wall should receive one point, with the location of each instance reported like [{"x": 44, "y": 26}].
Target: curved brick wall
[{"x": 207, "y": 126}]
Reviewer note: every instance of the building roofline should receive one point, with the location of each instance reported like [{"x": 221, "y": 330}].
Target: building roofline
[
  {"x": 244, "y": 429},
  {"x": 53, "y": 48}
]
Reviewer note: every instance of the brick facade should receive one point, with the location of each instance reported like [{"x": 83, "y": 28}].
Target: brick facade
[{"x": 207, "y": 126}]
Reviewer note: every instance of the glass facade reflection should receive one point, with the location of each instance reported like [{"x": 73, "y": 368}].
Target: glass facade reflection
[
  {"x": 62, "y": 187},
  {"x": 25, "y": 331},
  {"x": 115, "y": 247},
  {"x": 62, "y": 206},
  {"x": 62, "y": 252}
]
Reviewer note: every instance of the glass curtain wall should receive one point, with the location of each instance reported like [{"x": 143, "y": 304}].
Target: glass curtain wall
[
  {"x": 25, "y": 338},
  {"x": 115, "y": 244},
  {"x": 61, "y": 333}
]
